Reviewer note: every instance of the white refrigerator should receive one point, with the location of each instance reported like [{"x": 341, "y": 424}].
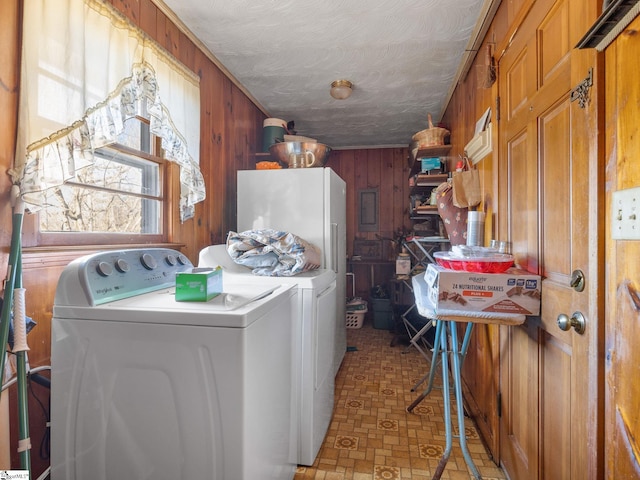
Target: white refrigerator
[{"x": 310, "y": 203}]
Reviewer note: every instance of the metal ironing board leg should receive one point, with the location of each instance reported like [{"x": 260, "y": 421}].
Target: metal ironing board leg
[
  {"x": 417, "y": 339},
  {"x": 457, "y": 355},
  {"x": 415, "y": 334},
  {"x": 457, "y": 358},
  {"x": 440, "y": 332},
  {"x": 447, "y": 405},
  {"x": 434, "y": 360}
]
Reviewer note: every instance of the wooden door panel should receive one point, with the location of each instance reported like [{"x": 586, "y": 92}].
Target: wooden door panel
[
  {"x": 520, "y": 84},
  {"x": 553, "y": 42},
  {"x": 556, "y": 419},
  {"x": 523, "y": 202},
  {"x": 556, "y": 203},
  {"x": 518, "y": 424}
]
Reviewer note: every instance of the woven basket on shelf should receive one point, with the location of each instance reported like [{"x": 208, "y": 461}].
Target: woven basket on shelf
[{"x": 430, "y": 137}]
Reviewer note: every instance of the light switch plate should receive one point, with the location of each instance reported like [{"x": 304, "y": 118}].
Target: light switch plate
[{"x": 625, "y": 215}]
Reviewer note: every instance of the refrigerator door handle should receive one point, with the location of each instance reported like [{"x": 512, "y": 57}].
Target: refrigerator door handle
[{"x": 334, "y": 247}]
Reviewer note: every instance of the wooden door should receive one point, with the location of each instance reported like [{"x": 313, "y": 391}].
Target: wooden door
[{"x": 549, "y": 186}]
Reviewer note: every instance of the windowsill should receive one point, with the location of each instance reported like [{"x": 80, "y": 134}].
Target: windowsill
[{"x": 57, "y": 249}]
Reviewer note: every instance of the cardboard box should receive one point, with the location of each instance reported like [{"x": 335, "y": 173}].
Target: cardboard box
[
  {"x": 432, "y": 163},
  {"x": 200, "y": 285},
  {"x": 515, "y": 291}
]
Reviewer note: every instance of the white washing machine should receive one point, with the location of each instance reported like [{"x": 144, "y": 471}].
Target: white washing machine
[
  {"x": 315, "y": 332},
  {"x": 146, "y": 387}
]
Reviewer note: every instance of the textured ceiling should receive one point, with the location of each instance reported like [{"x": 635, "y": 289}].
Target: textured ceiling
[{"x": 401, "y": 55}]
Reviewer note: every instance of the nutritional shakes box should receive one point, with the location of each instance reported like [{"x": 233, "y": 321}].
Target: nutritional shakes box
[{"x": 514, "y": 291}]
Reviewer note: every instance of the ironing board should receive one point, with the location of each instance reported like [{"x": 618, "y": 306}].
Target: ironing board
[{"x": 446, "y": 342}]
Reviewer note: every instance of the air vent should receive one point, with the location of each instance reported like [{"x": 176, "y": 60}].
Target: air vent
[{"x": 615, "y": 17}]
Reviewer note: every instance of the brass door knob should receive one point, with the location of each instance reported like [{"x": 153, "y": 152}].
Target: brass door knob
[{"x": 577, "y": 321}]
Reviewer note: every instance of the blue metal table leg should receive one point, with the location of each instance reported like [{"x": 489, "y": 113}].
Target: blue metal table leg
[
  {"x": 445, "y": 343},
  {"x": 465, "y": 342},
  {"x": 441, "y": 332},
  {"x": 456, "y": 360},
  {"x": 447, "y": 405},
  {"x": 431, "y": 374},
  {"x": 434, "y": 358}
]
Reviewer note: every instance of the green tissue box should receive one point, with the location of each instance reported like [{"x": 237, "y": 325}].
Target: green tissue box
[{"x": 201, "y": 285}]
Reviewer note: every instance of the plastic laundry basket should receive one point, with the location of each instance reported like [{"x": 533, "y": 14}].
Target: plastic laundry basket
[
  {"x": 356, "y": 307},
  {"x": 355, "y": 318}
]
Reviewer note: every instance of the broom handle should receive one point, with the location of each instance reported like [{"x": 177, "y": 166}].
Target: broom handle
[
  {"x": 20, "y": 348},
  {"x": 14, "y": 255}
]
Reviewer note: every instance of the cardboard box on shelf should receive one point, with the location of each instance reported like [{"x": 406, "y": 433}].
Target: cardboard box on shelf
[{"x": 515, "y": 291}]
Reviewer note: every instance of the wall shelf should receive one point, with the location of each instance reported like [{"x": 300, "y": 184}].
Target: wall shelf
[{"x": 415, "y": 153}]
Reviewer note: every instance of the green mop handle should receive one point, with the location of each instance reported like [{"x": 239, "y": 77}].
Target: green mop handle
[
  {"x": 14, "y": 255},
  {"x": 20, "y": 348}
]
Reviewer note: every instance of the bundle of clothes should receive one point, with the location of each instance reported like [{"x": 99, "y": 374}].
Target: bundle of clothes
[{"x": 273, "y": 253}]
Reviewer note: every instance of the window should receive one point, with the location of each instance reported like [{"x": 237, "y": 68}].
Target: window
[
  {"x": 87, "y": 165},
  {"x": 121, "y": 193}
]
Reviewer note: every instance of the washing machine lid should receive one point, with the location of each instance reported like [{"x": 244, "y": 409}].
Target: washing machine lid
[
  {"x": 217, "y": 255},
  {"x": 237, "y": 307}
]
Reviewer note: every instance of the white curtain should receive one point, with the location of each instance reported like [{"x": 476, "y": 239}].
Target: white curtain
[{"x": 85, "y": 70}]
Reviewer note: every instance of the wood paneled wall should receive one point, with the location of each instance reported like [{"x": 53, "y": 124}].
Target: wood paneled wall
[
  {"x": 622, "y": 424},
  {"x": 386, "y": 170}
]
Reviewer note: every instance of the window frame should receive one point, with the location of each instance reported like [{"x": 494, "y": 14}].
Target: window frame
[{"x": 33, "y": 237}]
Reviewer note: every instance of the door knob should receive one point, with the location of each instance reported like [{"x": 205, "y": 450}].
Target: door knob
[{"x": 577, "y": 321}]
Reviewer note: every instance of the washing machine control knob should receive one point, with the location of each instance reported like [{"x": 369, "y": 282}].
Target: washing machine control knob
[
  {"x": 122, "y": 265},
  {"x": 171, "y": 260},
  {"x": 104, "y": 269},
  {"x": 148, "y": 261},
  {"x": 183, "y": 260}
]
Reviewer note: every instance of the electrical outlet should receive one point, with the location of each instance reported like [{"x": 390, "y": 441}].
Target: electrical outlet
[{"x": 625, "y": 215}]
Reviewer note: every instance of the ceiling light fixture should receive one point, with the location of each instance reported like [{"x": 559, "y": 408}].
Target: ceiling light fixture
[{"x": 341, "y": 89}]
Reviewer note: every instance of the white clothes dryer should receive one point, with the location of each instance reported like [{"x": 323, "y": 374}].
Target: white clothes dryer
[
  {"x": 146, "y": 387},
  {"x": 314, "y": 324}
]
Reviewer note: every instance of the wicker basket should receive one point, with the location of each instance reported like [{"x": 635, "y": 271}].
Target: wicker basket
[
  {"x": 355, "y": 319},
  {"x": 430, "y": 137}
]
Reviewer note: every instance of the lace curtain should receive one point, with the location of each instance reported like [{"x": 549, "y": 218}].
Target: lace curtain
[{"x": 85, "y": 70}]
